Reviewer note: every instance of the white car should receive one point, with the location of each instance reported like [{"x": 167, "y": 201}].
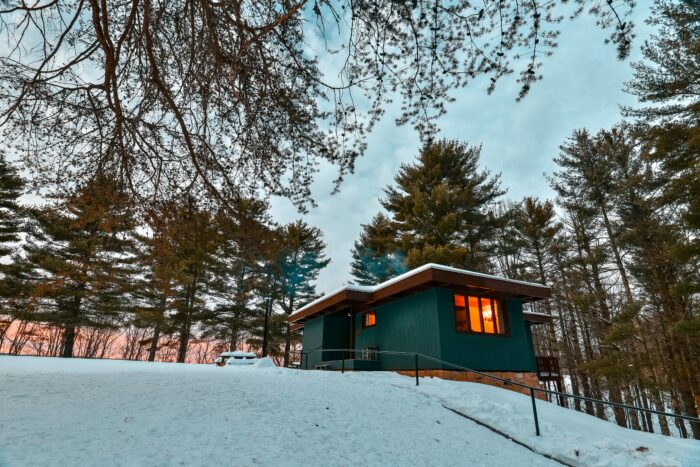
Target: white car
[{"x": 236, "y": 358}]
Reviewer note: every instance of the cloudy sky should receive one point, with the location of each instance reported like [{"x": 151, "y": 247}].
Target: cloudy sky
[{"x": 582, "y": 87}]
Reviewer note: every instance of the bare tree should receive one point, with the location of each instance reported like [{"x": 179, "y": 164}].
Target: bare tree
[{"x": 225, "y": 97}]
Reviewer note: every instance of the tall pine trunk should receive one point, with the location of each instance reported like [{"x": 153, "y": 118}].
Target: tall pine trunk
[
  {"x": 70, "y": 328},
  {"x": 288, "y": 335},
  {"x": 154, "y": 343}
]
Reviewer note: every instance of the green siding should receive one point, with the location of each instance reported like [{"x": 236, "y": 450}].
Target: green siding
[
  {"x": 423, "y": 322},
  {"x": 512, "y": 352},
  {"x": 313, "y": 339},
  {"x": 408, "y": 324},
  {"x": 336, "y": 335},
  {"x": 325, "y": 332}
]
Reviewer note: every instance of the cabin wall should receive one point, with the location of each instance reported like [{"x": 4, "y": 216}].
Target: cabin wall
[
  {"x": 325, "y": 332},
  {"x": 408, "y": 324},
  {"x": 313, "y": 339},
  {"x": 510, "y": 352},
  {"x": 424, "y": 322}
]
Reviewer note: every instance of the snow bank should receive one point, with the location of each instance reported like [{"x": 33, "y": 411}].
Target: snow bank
[
  {"x": 567, "y": 435},
  {"x": 265, "y": 363},
  {"x": 67, "y": 413},
  {"x": 91, "y": 412}
]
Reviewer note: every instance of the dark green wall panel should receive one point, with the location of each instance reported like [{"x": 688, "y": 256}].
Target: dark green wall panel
[
  {"x": 512, "y": 352},
  {"x": 424, "y": 322},
  {"x": 408, "y": 324},
  {"x": 313, "y": 339}
]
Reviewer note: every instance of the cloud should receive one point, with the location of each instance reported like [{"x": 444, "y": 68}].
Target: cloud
[{"x": 582, "y": 87}]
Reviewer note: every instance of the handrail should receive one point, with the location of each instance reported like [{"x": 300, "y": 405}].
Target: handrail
[{"x": 532, "y": 389}]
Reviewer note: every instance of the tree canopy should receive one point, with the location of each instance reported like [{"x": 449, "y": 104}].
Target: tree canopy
[{"x": 229, "y": 98}]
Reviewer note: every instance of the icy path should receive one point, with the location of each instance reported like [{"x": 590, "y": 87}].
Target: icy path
[{"x": 58, "y": 412}]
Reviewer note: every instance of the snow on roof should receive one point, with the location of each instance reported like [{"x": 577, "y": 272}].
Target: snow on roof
[
  {"x": 412, "y": 272},
  {"x": 238, "y": 353}
]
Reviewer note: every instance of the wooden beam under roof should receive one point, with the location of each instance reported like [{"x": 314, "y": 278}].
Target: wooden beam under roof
[{"x": 427, "y": 276}]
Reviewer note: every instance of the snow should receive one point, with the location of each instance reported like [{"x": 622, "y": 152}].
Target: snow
[
  {"x": 412, "y": 272},
  {"x": 98, "y": 412},
  {"x": 238, "y": 353}
]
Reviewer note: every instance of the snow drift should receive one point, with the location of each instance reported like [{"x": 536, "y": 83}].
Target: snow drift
[{"x": 91, "y": 412}]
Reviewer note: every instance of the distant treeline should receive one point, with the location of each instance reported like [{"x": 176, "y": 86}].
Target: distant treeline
[{"x": 88, "y": 275}]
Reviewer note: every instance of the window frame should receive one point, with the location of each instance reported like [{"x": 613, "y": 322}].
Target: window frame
[
  {"x": 364, "y": 319},
  {"x": 504, "y": 322}
]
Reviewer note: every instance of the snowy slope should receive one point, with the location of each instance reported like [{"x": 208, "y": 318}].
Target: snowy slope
[{"x": 87, "y": 412}]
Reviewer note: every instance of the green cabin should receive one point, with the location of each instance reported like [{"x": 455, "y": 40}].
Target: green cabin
[{"x": 444, "y": 314}]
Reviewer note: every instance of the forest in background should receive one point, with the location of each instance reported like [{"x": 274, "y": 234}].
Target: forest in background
[
  {"x": 619, "y": 245},
  {"x": 105, "y": 269},
  {"x": 88, "y": 276}
]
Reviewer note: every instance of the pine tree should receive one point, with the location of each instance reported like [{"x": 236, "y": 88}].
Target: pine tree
[
  {"x": 652, "y": 236},
  {"x": 77, "y": 260},
  {"x": 11, "y": 227},
  {"x": 240, "y": 286},
  {"x": 667, "y": 82},
  {"x": 11, "y": 188},
  {"x": 376, "y": 256},
  {"x": 298, "y": 263},
  {"x": 443, "y": 207},
  {"x": 196, "y": 238},
  {"x": 159, "y": 268},
  {"x": 537, "y": 227}
]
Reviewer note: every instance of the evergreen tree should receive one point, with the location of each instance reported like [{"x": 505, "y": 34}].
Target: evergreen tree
[
  {"x": 587, "y": 177},
  {"x": 77, "y": 260},
  {"x": 300, "y": 259},
  {"x": 537, "y": 227},
  {"x": 376, "y": 256},
  {"x": 442, "y": 207},
  {"x": 11, "y": 227},
  {"x": 240, "y": 284},
  {"x": 653, "y": 235},
  {"x": 11, "y": 188},
  {"x": 160, "y": 268},
  {"x": 197, "y": 239},
  {"x": 667, "y": 81}
]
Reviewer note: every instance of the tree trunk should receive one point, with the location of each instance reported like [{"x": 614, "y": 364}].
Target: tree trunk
[
  {"x": 616, "y": 254},
  {"x": 68, "y": 341},
  {"x": 266, "y": 327},
  {"x": 69, "y": 329},
  {"x": 184, "y": 341},
  {"x": 154, "y": 343},
  {"x": 288, "y": 336}
]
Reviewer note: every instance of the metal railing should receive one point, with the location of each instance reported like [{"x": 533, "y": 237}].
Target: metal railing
[{"x": 532, "y": 389}]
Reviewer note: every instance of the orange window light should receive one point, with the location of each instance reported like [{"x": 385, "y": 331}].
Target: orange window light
[
  {"x": 370, "y": 319},
  {"x": 461, "y": 314},
  {"x": 474, "y": 317},
  {"x": 487, "y": 313}
]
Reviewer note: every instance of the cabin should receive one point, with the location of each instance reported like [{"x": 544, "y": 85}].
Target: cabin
[{"x": 445, "y": 314}]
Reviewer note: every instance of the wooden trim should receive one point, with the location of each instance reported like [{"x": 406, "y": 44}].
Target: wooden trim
[
  {"x": 536, "y": 317},
  {"x": 513, "y": 289},
  {"x": 343, "y": 297},
  {"x": 472, "y": 284}
]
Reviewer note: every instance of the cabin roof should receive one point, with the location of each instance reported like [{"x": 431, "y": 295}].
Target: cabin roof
[{"x": 427, "y": 276}]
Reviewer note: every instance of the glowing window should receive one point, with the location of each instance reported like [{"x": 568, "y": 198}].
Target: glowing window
[
  {"x": 461, "y": 314},
  {"x": 474, "y": 315},
  {"x": 478, "y": 315},
  {"x": 369, "y": 319}
]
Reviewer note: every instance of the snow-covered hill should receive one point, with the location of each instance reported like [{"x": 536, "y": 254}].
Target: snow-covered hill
[{"x": 88, "y": 412}]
